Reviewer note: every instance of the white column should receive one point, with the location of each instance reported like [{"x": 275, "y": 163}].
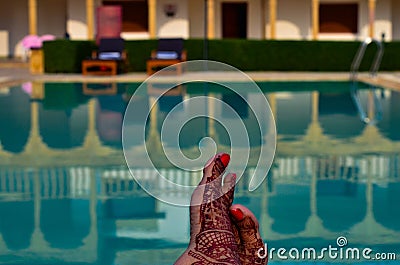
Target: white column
[
  {"x": 372, "y": 10},
  {"x": 90, "y": 19},
  {"x": 272, "y": 18},
  {"x": 152, "y": 5},
  {"x": 315, "y": 19},
  {"x": 32, "y": 6}
]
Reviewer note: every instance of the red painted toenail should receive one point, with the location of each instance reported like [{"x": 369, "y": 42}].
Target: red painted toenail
[
  {"x": 237, "y": 214},
  {"x": 225, "y": 159}
]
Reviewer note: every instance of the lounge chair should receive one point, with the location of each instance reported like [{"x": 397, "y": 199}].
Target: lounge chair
[
  {"x": 169, "y": 52},
  {"x": 96, "y": 89},
  {"x": 110, "y": 58}
]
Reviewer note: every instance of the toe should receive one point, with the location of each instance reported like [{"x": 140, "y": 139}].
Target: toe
[
  {"x": 215, "y": 167},
  {"x": 251, "y": 243},
  {"x": 212, "y": 181}
]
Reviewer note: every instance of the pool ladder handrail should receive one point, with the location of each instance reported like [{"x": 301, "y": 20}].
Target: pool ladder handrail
[
  {"x": 360, "y": 55},
  {"x": 373, "y": 72},
  {"x": 361, "y": 111}
]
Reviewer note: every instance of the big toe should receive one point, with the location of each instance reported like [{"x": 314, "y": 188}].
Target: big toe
[
  {"x": 246, "y": 230},
  {"x": 215, "y": 167}
]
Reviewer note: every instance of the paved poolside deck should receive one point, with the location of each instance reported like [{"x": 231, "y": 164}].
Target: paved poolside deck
[{"x": 14, "y": 73}]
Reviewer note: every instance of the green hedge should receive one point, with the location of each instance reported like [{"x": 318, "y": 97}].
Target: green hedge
[
  {"x": 67, "y": 95},
  {"x": 247, "y": 55},
  {"x": 64, "y": 56}
]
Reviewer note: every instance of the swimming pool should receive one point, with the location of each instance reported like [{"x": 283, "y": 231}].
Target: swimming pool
[{"x": 66, "y": 196}]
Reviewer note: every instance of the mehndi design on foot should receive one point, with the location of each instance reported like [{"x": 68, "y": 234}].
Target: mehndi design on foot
[
  {"x": 248, "y": 239},
  {"x": 215, "y": 237}
]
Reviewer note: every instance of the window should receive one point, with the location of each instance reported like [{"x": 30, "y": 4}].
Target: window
[
  {"x": 234, "y": 20},
  {"x": 134, "y": 14},
  {"x": 338, "y": 18}
]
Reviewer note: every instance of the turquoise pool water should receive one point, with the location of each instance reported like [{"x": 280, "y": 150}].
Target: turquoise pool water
[{"x": 66, "y": 196}]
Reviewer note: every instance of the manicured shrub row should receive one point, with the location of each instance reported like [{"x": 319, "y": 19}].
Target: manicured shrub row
[{"x": 63, "y": 56}]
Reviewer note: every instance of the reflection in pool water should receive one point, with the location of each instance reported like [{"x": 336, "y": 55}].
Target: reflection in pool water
[{"x": 66, "y": 195}]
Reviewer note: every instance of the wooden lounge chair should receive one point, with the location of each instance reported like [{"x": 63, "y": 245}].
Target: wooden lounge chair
[
  {"x": 169, "y": 52},
  {"x": 96, "y": 89},
  {"x": 110, "y": 58}
]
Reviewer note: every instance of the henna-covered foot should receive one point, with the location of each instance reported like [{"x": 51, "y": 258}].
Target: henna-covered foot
[
  {"x": 212, "y": 241},
  {"x": 249, "y": 241},
  {"x": 219, "y": 232}
]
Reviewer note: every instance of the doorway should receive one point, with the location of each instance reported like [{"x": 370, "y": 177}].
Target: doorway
[{"x": 234, "y": 20}]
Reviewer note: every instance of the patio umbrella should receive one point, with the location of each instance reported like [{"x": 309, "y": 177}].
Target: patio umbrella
[
  {"x": 27, "y": 88},
  {"x": 31, "y": 41},
  {"x": 48, "y": 37}
]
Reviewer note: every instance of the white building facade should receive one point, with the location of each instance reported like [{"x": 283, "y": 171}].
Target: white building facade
[{"x": 251, "y": 19}]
